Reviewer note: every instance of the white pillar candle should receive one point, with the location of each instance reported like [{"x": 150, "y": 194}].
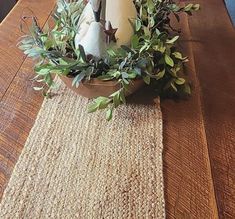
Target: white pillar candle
[{"x": 118, "y": 12}]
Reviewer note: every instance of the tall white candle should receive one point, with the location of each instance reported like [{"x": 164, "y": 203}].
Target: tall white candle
[{"x": 118, "y": 12}]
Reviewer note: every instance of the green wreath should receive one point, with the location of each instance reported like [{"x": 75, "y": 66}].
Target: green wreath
[{"x": 152, "y": 54}]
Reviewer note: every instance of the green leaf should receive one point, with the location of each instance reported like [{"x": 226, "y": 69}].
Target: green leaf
[
  {"x": 180, "y": 81},
  {"x": 111, "y": 52},
  {"x": 25, "y": 47},
  {"x": 48, "y": 44},
  {"x": 151, "y": 6},
  {"x": 187, "y": 89},
  {"x": 134, "y": 41},
  {"x": 174, "y": 7},
  {"x": 173, "y": 40},
  {"x": 174, "y": 87},
  {"x": 103, "y": 102},
  {"x": 48, "y": 79},
  {"x": 138, "y": 25},
  {"x": 157, "y": 32},
  {"x": 160, "y": 47},
  {"x": 196, "y": 7},
  {"x": 38, "y": 88},
  {"x": 169, "y": 61},
  {"x": 122, "y": 64},
  {"x": 161, "y": 74},
  {"x": 151, "y": 22},
  {"x": 188, "y": 7},
  {"x": 99, "y": 103},
  {"x": 109, "y": 114},
  {"x": 116, "y": 99},
  {"x": 43, "y": 71},
  {"x": 147, "y": 79},
  {"x": 77, "y": 80},
  {"x": 127, "y": 48},
  {"x": 82, "y": 53},
  {"x": 178, "y": 55},
  {"x": 114, "y": 73},
  {"x": 93, "y": 107},
  {"x": 132, "y": 74},
  {"x": 122, "y": 96},
  {"x": 125, "y": 75},
  {"x": 143, "y": 48},
  {"x": 147, "y": 31},
  {"x": 125, "y": 81}
]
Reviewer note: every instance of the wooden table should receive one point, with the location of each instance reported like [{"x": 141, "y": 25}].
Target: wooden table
[{"x": 199, "y": 138}]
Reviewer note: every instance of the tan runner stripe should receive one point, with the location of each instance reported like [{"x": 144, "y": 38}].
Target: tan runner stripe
[{"x": 78, "y": 165}]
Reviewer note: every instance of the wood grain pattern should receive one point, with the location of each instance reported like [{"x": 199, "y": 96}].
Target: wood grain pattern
[
  {"x": 198, "y": 133},
  {"x": 11, "y": 56},
  {"x": 214, "y": 55},
  {"x": 19, "y": 104},
  {"x": 189, "y": 188}
]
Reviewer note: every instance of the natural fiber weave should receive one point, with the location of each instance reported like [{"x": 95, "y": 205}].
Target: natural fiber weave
[{"x": 78, "y": 165}]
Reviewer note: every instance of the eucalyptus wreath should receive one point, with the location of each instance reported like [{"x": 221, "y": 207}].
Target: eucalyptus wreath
[{"x": 152, "y": 54}]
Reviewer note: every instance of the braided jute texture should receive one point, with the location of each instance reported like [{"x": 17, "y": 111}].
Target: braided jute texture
[{"x": 78, "y": 165}]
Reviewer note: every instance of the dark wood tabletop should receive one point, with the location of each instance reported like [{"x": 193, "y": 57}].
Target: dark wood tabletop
[{"x": 199, "y": 133}]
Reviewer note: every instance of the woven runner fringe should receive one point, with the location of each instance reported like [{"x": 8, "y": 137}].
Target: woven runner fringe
[{"x": 78, "y": 165}]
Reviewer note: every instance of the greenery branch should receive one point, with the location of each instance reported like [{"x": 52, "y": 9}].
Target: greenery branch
[{"x": 152, "y": 55}]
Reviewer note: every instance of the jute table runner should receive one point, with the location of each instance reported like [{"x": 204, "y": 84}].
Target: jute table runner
[{"x": 78, "y": 165}]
